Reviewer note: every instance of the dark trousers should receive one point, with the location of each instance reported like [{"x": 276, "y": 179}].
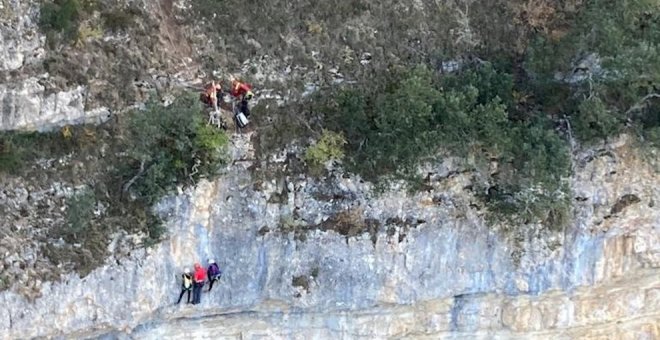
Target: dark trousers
[
  {"x": 197, "y": 292},
  {"x": 211, "y": 283},
  {"x": 244, "y": 108},
  {"x": 183, "y": 291}
]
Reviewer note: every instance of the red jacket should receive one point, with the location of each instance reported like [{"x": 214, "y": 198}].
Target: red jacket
[
  {"x": 200, "y": 273},
  {"x": 240, "y": 89}
]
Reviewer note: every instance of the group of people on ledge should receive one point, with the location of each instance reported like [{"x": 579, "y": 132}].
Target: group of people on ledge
[
  {"x": 239, "y": 90},
  {"x": 194, "y": 281}
]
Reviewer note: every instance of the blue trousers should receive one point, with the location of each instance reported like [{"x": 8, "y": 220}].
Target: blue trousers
[{"x": 197, "y": 292}]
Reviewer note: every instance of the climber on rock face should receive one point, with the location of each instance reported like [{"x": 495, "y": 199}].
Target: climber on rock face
[
  {"x": 211, "y": 95},
  {"x": 186, "y": 284},
  {"x": 242, "y": 92},
  {"x": 199, "y": 279},
  {"x": 213, "y": 272}
]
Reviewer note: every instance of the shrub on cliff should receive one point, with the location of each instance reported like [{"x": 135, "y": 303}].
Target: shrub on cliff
[
  {"x": 329, "y": 147},
  {"x": 79, "y": 213},
  {"x": 11, "y": 157},
  {"x": 61, "y": 18},
  {"x": 60, "y": 15},
  {"x": 20, "y": 149},
  {"x": 407, "y": 117},
  {"x": 169, "y": 146},
  {"x": 612, "y": 57}
]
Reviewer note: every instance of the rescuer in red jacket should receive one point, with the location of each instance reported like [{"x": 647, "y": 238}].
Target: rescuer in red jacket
[
  {"x": 199, "y": 277},
  {"x": 242, "y": 92}
]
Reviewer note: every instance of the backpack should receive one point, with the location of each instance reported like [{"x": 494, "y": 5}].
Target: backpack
[
  {"x": 241, "y": 120},
  {"x": 214, "y": 271},
  {"x": 187, "y": 282}
]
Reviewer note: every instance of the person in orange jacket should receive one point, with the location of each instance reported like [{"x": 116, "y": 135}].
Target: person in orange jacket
[
  {"x": 212, "y": 94},
  {"x": 242, "y": 92},
  {"x": 199, "y": 277}
]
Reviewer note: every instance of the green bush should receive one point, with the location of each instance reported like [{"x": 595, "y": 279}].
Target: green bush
[
  {"x": 329, "y": 147},
  {"x": 60, "y": 15},
  {"x": 169, "y": 146},
  {"x": 20, "y": 149},
  {"x": 11, "y": 158},
  {"x": 594, "y": 120},
  {"x": 61, "y": 18},
  {"x": 79, "y": 214},
  {"x": 386, "y": 126},
  {"x": 530, "y": 185},
  {"x": 118, "y": 19},
  {"x": 411, "y": 114}
]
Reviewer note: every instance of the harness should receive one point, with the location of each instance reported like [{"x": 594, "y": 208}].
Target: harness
[{"x": 187, "y": 282}]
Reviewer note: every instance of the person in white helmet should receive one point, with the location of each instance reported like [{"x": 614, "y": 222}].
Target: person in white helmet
[
  {"x": 213, "y": 272},
  {"x": 186, "y": 284}
]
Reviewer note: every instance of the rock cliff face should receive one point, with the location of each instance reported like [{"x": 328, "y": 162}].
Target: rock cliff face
[
  {"x": 419, "y": 266},
  {"x": 21, "y": 43},
  {"x": 25, "y": 106},
  {"x": 25, "y": 103}
]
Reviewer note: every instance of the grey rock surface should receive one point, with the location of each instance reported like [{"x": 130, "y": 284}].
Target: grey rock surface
[
  {"x": 20, "y": 42},
  {"x": 25, "y": 106}
]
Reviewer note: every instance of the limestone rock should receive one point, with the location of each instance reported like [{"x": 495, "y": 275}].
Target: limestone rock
[
  {"x": 20, "y": 41},
  {"x": 25, "y": 106}
]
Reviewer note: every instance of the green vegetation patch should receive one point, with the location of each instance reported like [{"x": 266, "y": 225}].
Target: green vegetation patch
[
  {"x": 61, "y": 20},
  {"x": 330, "y": 146},
  {"x": 169, "y": 146},
  {"x": 411, "y": 116},
  {"x": 66, "y": 21},
  {"x": 611, "y": 58}
]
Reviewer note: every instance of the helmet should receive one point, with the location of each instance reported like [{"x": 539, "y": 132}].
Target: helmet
[
  {"x": 211, "y": 261},
  {"x": 187, "y": 270}
]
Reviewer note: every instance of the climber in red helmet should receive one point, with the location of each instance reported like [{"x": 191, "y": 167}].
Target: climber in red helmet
[{"x": 199, "y": 277}]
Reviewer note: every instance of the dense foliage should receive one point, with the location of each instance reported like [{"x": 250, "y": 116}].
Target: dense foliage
[
  {"x": 412, "y": 116},
  {"x": 170, "y": 146},
  {"x": 60, "y": 15},
  {"x": 608, "y": 67},
  {"x": 74, "y": 20}
]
